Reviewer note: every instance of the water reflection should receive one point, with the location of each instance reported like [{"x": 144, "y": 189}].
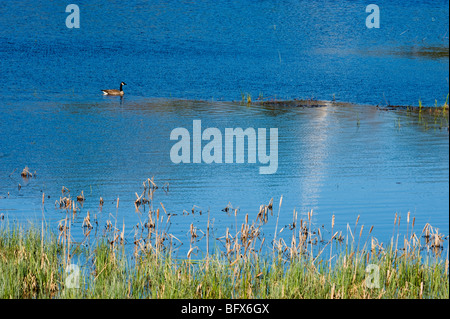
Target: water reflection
[
  {"x": 342, "y": 160},
  {"x": 315, "y": 160}
]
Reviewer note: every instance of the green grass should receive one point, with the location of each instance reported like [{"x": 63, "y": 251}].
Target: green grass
[{"x": 33, "y": 260}]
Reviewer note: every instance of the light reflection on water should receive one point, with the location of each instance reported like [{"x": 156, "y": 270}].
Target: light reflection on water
[
  {"x": 343, "y": 160},
  {"x": 182, "y": 61}
]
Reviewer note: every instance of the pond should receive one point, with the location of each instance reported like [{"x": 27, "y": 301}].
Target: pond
[{"x": 197, "y": 61}]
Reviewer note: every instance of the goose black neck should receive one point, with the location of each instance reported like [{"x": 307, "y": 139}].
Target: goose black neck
[{"x": 120, "y": 87}]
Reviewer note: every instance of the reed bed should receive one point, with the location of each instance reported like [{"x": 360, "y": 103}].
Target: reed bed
[{"x": 300, "y": 261}]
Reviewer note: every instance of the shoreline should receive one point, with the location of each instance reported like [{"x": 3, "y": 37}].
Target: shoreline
[{"x": 36, "y": 262}]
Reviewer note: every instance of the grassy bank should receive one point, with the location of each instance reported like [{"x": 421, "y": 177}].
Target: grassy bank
[{"x": 34, "y": 264}]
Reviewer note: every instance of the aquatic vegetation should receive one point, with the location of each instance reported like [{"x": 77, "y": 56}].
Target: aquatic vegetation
[
  {"x": 300, "y": 261},
  {"x": 26, "y": 172},
  {"x": 246, "y": 98}
]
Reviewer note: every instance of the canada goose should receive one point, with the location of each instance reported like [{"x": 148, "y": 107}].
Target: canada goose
[{"x": 115, "y": 92}]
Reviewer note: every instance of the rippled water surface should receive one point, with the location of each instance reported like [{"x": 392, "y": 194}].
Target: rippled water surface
[
  {"x": 342, "y": 160},
  {"x": 186, "y": 61}
]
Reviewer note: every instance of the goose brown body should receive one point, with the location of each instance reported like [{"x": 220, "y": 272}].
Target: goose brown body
[{"x": 115, "y": 92}]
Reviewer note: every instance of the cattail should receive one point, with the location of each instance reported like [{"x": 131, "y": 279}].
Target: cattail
[
  {"x": 370, "y": 231},
  {"x": 332, "y": 222},
  {"x": 407, "y": 217},
  {"x": 437, "y": 240},
  {"x": 43, "y": 198},
  {"x": 395, "y": 219},
  {"x": 117, "y": 205},
  {"x": 360, "y": 233}
]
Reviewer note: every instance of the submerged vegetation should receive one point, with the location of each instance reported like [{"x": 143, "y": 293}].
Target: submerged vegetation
[
  {"x": 436, "y": 116},
  {"x": 36, "y": 262}
]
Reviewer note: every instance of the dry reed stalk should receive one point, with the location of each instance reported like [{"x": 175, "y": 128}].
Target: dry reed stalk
[
  {"x": 278, "y": 216},
  {"x": 122, "y": 234},
  {"x": 64, "y": 189},
  {"x": 446, "y": 264},
  {"x": 294, "y": 250},
  {"x": 42, "y": 243},
  {"x": 68, "y": 243},
  {"x": 87, "y": 221},
  {"x": 331, "y": 247},
  {"x": 407, "y": 223},
  {"x": 150, "y": 181},
  {"x": 331, "y": 239},
  {"x": 138, "y": 201},
  {"x": 12, "y": 172},
  {"x": 356, "y": 224},
  {"x": 26, "y": 173},
  {"x": 351, "y": 234},
  {"x": 310, "y": 232},
  {"x": 80, "y": 198}
]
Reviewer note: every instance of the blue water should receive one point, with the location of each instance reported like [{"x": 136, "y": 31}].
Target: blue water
[
  {"x": 185, "y": 61},
  {"x": 219, "y": 49}
]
